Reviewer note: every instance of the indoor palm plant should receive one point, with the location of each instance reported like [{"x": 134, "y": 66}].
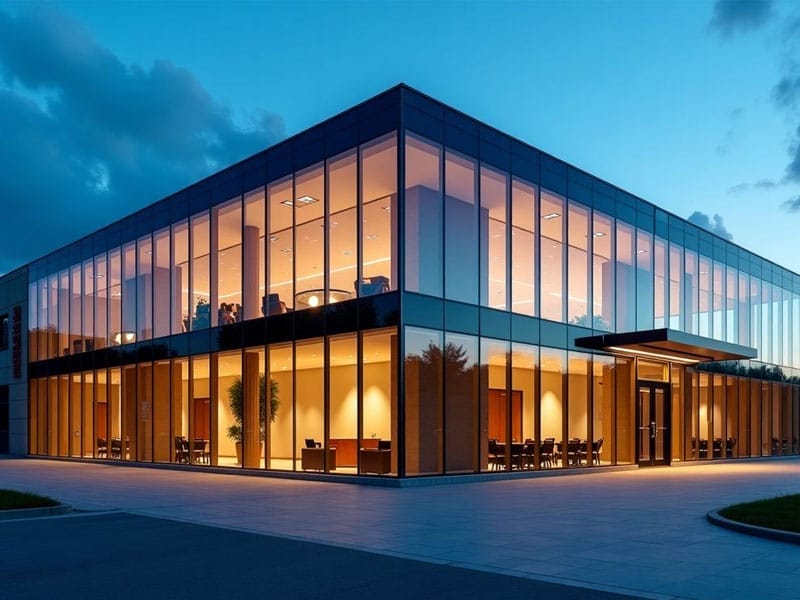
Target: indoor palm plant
[{"x": 236, "y": 401}]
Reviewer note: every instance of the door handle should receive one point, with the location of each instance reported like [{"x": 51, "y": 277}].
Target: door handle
[{"x": 653, "y": 429}]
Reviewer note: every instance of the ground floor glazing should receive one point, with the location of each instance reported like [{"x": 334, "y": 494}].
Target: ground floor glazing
[{"x": 455, "y": 403}]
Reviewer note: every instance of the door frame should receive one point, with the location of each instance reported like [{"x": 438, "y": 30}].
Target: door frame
[{"x": 643, "y": 429}]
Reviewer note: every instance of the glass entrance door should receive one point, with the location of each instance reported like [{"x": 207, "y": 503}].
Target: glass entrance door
[{"x": 653, "y": 417}]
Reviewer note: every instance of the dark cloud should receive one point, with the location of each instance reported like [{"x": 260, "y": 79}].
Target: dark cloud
[
  {"x": 738, "y": 16},
  {"x": 793, "y": 204},
  {"x": 765, "y": 184},
  {"x": 88, "y": 138},
  {"x": 713, "y": 224},
  {"x": 738, "y": 188},
  {"x": 793, "y": 168},
  {"x": 786, "y": 92}
]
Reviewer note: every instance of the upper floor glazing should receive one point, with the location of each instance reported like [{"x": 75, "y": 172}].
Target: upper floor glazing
[{"x": 486, "y": 220}]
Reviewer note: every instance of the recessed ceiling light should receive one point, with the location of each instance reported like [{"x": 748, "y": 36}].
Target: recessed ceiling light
[
  {"x": 287, "y": 202},
  {"x": 372, "y": 236},
  {"x": 641, "y": 251},
  {"x": 347, "y": 252},
  {"x": 305, "y": 200},
  {"x": 273, "y": 238},
  {"x": 553, "y": 215},
  {"x": 598, "y": 234},
  {"x": 386, "y": 208},
  {"x": 286, "y": 250}
]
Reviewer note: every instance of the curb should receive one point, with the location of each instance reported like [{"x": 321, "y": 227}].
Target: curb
[
  {"x": 779, "y": 535},
  {"x": 30, "y": 513}
]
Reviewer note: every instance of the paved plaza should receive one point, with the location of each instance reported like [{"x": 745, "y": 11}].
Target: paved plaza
[{"x": 640, "y": 532}]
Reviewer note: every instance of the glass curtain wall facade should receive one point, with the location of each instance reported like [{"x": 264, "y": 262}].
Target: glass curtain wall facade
[{"x": 397, "y": 292}]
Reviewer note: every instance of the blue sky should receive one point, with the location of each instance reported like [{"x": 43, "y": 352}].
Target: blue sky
[{"x": 106, "y": 107}]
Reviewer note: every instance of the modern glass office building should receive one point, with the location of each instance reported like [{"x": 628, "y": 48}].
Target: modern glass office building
[{"x": 404, "y": 291}]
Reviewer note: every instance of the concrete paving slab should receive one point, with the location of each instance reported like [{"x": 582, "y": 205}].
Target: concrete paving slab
[{"x": 632, "y": 522}]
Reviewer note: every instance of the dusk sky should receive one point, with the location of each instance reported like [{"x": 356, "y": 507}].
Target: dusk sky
[{"x": 107, "y": 107}]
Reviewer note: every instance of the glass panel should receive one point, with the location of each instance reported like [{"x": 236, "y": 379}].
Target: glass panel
[
  {"x": 718, "y": 417},
  {"x": 742, "y": 447},
  {"x": 201, "y": 401},
  {"x": 755, "y": 417},
  {"x": 524, "y": 206},
  {"x": 603, "y": 272},
  {"x": 226, "y": 437},
  {"x": 63, "y": 305},
  {"x": 75, "y": 342},
  {"x": 180, "y": 278},
  {"x": 74, "y": 433},
  {"x": 117, "y": 445},
  {"x": 625, "y": 446},
  {"x": 87, "y": 415},
  {"x": 342, "y": 224},
  {"x": 126, "y": 443},
  {"x": 227, "y": 244},
  {"x": 33, "y": 338},
  {"x": 503, "y": 410},
  {"x": 644, "y": 419},
  {"x": 705, "y": 416},
  {"x": 309, "y": 216},
  {"x": 731, "y": 307},
  {"x": 114, "y": 292},
  {"x": 379, "y": 405},
  {"x": 578, "y": 268},
  {"x": 102, "y": 414},
  {"x": 343, "y": 407},
  {"x": 378, "y": 212},
  {"x": 660, "y": 402},
  {"x": 743, "y": 307},
  {"x": 626, "y": 278},
  {"x": 461, "y": 402},
  {"x": 179, "y": 411},
  {"x": 493, "y": 234},
  {"x": 253, "y": 255},
  {"x": 250, "y": 403},
  {"x": 661, "y": 283},
  {"x": 552, "y": 256},
  {"x": 144, "y": 289},
  {"x": 460, "y": 229},
  {"x": 127, "y": 334},
  {"x": 310, "y": 401},
  {"x": 644, "y": 280},
  {"x": 718, "y": 296},
  {"x": 89, "y": 282},
  {"x": 677, "y": 416},
  {"x": 423, "y": 244},
  {"x": 524, "y": 371},
  {"x": 200, "y": 272},
  {"x": 423, "y": 388},
  {"x": 144, "y": 411},
  {"x": 280, "y": 452},
  {"x": 603, "y": 405},
  {"x": 675, "y": 283},
  {"x": 731, "y": 438},
  {"x": 553, "y": 368},
  {"x": 280, "y": 270},
  {"x": 162, "y": 384},
  {"x": 578, "y": 407},
  {"x": 162, "y": 293},
  {"x": 690, "y": 307},
  {"x": 705, "y": 297}
]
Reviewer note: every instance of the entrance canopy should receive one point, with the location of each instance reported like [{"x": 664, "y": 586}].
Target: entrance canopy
[{"x": 667, "y": 344}]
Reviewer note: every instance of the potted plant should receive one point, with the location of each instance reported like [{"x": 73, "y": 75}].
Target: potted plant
[{"x": 236, "y": 402}]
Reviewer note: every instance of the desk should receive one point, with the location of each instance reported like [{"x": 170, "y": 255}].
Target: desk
[
  {"x": 376, "y": 461},
  {"x": 313, "y": 459}
]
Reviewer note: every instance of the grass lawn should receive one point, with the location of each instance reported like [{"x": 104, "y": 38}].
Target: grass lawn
[
  {"x": 782, "y": 512},
  {"x": 9, "y": 499}
]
